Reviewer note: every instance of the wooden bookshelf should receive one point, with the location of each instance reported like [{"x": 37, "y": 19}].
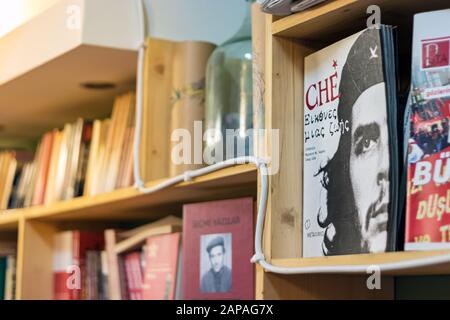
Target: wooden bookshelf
[
  {"x": 35, "y": 227},
  {"x": 130, "y": 204},
  {"x": 288, "y": 41},
  {"x": 337, "y": 17}
]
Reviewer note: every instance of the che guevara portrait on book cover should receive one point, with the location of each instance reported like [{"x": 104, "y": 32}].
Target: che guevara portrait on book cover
[{"x": 346, "y": 154}]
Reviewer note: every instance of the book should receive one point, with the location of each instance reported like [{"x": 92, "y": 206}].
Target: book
[
  {"x": 104, "y": 284},
  {"x": 133, "y": 275},
  {"x": 8, "y": 165},
  {"x": 46, "y": 151},
  {"x": 217, "y": 248},
  {"x": 160, "y": 273},
  {"x": 84, "y": 158},
  {"x": 119, "y": 242},
  {"x": 286, "y": 7},
  {"x": 118, "y": 138},
  {"x": 350, "y": 159},
  {"x": 304, "y": 4},
  {"x": 428, "y": 145},
  {"x": 93, "y": 275},
  {"x": 10, "y": 277},
  {"x": 96, "y": 154},
  {"x": 3, "y": 265},
  {"x": 69, "y": 262}
]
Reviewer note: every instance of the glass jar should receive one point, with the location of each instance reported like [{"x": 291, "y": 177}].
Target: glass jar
[{"x": 229, "y": 104}]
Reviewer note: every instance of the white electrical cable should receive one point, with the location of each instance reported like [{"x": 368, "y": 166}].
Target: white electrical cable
[{"x": 262, "y": 165}]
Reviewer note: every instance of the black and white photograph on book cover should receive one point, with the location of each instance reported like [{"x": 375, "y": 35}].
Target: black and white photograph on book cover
[
  {"x": 347, "y": 153},
  {"x": 215, "y": 263}
]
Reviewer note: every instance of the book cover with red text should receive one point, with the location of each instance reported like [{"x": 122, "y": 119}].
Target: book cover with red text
[
  {"x": 133, "y": 275},
  {"x": 69, "y": 262},
  {"x": 217, "y": 247},
  {"x": 160, "y": 277},
  {"x": 428, "y": 190}
]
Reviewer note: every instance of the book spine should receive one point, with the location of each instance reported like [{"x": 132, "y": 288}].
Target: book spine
[
  {"x": 103, "y": 284},
  {"x": 3, "y": 261},
  {"x": 134, "y": 275},
  {"x": 84, "y": 158},
  {"x": 10, "y": 281},
  {"x": 76, "y": 292},
  {"x": 62, "y": 266},
  {"x": 92, "y": 270}
]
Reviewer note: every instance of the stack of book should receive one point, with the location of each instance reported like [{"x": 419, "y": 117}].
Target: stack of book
[
  {"x": 84, "y": 158},
  {"x": 209, "y": 260},
  {"x": 142, "y": 263}
]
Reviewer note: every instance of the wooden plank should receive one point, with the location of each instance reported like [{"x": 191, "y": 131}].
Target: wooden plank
[
  {"x": 328, "y": 287},
  {"x": 335, "y": 16},
  {"x": 155, "y": 143},
  {"x": 35, "y": 261},
  {"x": 286, "y": 114},
  {"x": 9, "y": 221},
  {"x": 259, "y": 73},
  {"x": 128, "y": 204},
  {"x": 374, "y": 259}
]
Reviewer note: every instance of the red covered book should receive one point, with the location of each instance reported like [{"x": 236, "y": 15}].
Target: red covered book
[
  {"x": 217, "y": 248},
  {"x": 69, "y": 262},
  {"x": 133, "y": 272},
  {"x": 162, "y": 254},
  {"x": 428, "y": 188}
]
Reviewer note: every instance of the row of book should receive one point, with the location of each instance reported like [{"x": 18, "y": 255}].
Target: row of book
[
  {"x": 84, "y": 158},
  {"x": 376, "y": 168},
  {"x": 205, "y": 255}
]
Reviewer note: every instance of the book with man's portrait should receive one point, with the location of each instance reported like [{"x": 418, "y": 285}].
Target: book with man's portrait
[
  {"x": 350, "y": 155},
  {"x": 217, "y": 248}
]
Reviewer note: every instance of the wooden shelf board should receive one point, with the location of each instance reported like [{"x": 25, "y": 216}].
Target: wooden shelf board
[
  {"x": 9, "y": 221},
  {"x": 374, "y": 259},
  {"x": 129, "y": 204},
  {"x": 334, "y": 18}
]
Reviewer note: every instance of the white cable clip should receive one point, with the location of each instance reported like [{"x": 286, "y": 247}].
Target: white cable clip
[
  {"x": 257, "y": 257},
  {"x": 259, "y": 162},
  {"x": 143, "y": 45},
  {"x": 139, "y": 184},
  {"x": 187, "y": 176}
]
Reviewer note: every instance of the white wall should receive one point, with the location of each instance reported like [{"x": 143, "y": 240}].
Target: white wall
[
  {"x": 13, "y": 13},
  {"x": 206, "y": 20}
]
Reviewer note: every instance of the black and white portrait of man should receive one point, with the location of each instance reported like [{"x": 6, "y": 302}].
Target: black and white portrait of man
[
  {"x": 215, "y": 264},
  {"x": 355, "y": 212}
]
